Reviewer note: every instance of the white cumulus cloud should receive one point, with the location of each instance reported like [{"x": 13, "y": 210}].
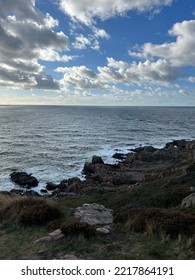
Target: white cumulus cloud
[
  {"x": 86, "y": 11},
  {"x": 119, "y": 72},
  {"x": 179, "y": 52}
]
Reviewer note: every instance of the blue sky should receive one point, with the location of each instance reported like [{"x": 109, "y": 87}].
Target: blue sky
[{"x": 83, "y": 52}]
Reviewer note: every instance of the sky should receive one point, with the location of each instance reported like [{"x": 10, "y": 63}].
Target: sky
[{"x": 103, "y": 52}]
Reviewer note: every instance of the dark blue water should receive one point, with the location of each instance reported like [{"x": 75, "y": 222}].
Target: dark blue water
[{"x": 53, "y": 142}]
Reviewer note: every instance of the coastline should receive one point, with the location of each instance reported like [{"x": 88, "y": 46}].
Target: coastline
[
  {"x": 142, "y": 207},
  {"x": 127, "y": 169}
]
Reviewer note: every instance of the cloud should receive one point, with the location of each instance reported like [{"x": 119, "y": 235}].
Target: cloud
[
  {"x": 179, "y": 52},
  {"x": 119, "y": 72},
  {"x": 87, "y": 11},
  {"x": 21, "y": 8},
  {"x": 82, "y": 42},
  {"x": 80, "y": 77},
  {"x": 100, "y": 33},
  {"x": 159, "y": 72},
  {"x": 191, "y": 79},
  {"x": 28, "y": 36}
]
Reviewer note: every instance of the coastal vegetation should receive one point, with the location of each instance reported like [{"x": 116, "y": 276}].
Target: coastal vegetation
[{"x": 150, "y": 194}]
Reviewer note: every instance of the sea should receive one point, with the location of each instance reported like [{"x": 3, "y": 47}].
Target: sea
[{"x": 54, "y": 142}]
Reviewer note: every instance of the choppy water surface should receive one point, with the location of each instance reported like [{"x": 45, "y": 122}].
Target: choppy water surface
[{"x": 53, "y": 142}]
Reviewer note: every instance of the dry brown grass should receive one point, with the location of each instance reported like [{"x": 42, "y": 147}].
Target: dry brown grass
[{"x": 28, "y": 211}]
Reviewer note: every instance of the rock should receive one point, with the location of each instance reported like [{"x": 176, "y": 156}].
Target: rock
[
  {"x": 188, "y": 201},
  {"x": 88, "y": 168},
  {"x": 70, "y": 257},
  {"x": 43, "y": 191},
  {"x": 105, "y": 229},
  {"x": 63, "y": 194},
  {"x": 31, "y": 193},
  {"x": 16, "y": 192},
  {"x": 149, "y": 149},
  {"x": 54, "y": 235},
  {"x": 96, "y": 159},
  {"x": 73, "y": 180},
  {"x": 46, "y": 238},
  {"x": 62, "y": 187},
  {"x": 119, "y": 156},
  {"x": 24, "y": 192},
  {"x": 131, "y": 157},
  {"x": 51, "y": 186},
  {"x": 94, "y": 214},
  {"x": 24, "y": 179},
  {"x": 74, "y": 184}
]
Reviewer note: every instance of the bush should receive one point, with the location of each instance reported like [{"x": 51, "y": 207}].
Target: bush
[
  {"x": 29, "y": 211},
  {"x": 126, "y": 212},
  {"x": 171, "y": 222},
  {"x": 171, "y": 198},
  {"x": 72, "y": 229}
]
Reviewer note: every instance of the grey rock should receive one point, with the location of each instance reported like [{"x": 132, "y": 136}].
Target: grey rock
[
  {"x": 188, "y": 201},
  {"x": 105, "y": 229},
  {"x": 94, "y": 214}
]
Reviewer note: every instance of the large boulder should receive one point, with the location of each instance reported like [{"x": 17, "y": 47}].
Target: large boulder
[
  {"x": 23, "y": 179},
  {"x": 188, "y": 201},
  {"x": 94, "y": 214}
]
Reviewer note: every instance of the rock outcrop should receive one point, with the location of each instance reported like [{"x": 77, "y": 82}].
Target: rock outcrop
[
  {"x": 23, "y": 179},
  {"x": 94, "y": 214}
]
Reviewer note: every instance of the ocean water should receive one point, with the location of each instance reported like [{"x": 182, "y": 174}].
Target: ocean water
[{"x": 53, "y": 142}]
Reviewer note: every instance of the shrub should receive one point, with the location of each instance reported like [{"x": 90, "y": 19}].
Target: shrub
[
  {"x": 126, "y": 212},
  {"x": 28, "y": 211},
  {"x": 171, "y": 222},
  {"x": 171, "y": 198},
  {"x": 76, "y": 229}
]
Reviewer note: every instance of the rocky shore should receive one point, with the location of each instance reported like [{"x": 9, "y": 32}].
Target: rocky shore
[
  {"x": 141, "y": 165},
  {"x": 142, "y": 207}
]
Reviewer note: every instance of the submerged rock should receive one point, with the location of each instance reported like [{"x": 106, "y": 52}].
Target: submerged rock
[
  {"x": 120, "y": 156},
  {"x": 23, "y": 179},
  {"x": 51, "y": 186}
]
